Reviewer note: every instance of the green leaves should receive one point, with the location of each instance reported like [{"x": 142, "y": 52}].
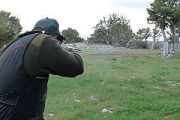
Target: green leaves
[
  {"x": 9, "y": 27},
  {"x": 121, "y": 33},
  {"x": 71, "y": 36},
  {"x": 114, "y": 29},
  {"x": 164, "y": 12},
  {"x": 143, "y": 34}
]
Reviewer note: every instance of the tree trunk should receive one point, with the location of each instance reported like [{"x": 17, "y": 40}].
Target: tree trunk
[
  {"x": 153, "y": 43},
  {"x": 178, "y": 40},
  {"x": 158, "y": 43},
  {"x": 174, "y": 41},
  {"x": 152, "y": 46},
  {"x": 165, "y": 50},
  {"x": 172, "y": 46},
  {"x": 175, "y": 46}
]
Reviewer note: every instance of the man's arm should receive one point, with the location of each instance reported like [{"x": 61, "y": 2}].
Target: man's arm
[{"x": 58, "y": 61}]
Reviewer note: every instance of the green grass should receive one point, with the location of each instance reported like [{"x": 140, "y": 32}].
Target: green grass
[{"x": 142, "y": 86}]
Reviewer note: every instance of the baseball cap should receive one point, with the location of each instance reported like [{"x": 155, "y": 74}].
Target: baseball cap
[{"x": 50, "y": 27}]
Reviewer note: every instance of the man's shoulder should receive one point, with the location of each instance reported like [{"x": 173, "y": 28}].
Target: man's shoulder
[{"x": 39, "y": 39}]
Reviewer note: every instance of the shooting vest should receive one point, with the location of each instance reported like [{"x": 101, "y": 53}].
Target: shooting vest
[{"x": 22, "y": 97}]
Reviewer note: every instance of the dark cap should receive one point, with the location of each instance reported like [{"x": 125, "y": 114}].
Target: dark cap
[{"x": 50, "y": 26}]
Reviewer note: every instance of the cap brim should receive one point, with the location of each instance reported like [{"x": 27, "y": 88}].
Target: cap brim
[{"x": 61, "y": 37}]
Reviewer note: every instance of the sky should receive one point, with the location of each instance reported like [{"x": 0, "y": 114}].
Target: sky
[{"x": 81, "y": 15}]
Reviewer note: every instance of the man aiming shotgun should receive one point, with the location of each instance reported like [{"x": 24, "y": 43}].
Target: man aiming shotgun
[{"x": 25, "y": 65}]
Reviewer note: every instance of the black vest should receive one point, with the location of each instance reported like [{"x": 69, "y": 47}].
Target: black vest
[{"x": 22, "y": 97}]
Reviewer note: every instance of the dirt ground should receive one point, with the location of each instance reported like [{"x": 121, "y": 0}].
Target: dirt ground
[{"x": 119, "y": 53}]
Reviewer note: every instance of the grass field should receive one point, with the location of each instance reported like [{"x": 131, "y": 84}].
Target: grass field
[{"x": 125, "y": 85}]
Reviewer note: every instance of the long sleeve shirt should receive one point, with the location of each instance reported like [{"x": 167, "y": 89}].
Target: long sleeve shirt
[{"x": 44, "y": 55}]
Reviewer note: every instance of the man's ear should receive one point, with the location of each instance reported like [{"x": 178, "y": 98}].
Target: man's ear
[{"x": 55, "y": 37}]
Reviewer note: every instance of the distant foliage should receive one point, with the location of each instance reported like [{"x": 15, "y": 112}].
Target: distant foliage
[
  {"x": 9, "y": 27},
  {"x": 114, "y": 29},
  {"x": 165, "y": 14},
  {"x": 137, "y": 44},
  {"x": 71, "y": 35},
  {"x": 143, "y": 34},
  {"x": 142, "y": 45},
  {"x": 120, "y": 34}
]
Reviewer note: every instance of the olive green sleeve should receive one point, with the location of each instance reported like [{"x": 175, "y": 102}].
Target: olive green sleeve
[
  {"x": 44, "y": 56},
  {"x": 54, "y": 59}
]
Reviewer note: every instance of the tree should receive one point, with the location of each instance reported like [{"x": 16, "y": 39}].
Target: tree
[
  {"x": 9, "y": 27},
  {"x": 139, "y": 35},
  {"x": 155, "y": 35},
  {"x": 160, "y": 14},
  {"x": 143, "y": 34},
  {"x": 99, "y": 36},
  {"x": 174, "y": 26},
  {"x": 112, "y": 29},
  {"x": 101, "y": 32},
  {"x": 121, "y": 34},
  {"x": 71, "y": 36}
]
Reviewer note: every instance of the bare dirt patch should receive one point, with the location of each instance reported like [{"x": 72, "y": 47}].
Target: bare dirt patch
[{"x": 119, "y": 53}]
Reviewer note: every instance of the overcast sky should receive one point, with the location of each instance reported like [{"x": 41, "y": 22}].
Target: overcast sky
[{"x": 81, "y": 15}]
